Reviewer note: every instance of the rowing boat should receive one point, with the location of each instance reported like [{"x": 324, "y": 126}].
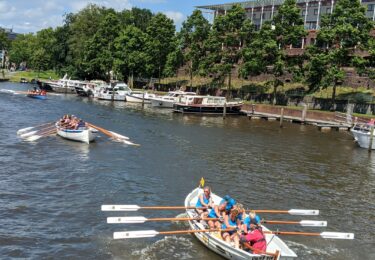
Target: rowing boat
[
  {"x": 214, "y": 241},
  {"x": 36, "y": 96},
  {"x": 82, "y": 134}
]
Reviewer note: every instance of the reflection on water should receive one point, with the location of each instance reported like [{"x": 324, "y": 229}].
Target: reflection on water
[{"x": 51, "y": 190}]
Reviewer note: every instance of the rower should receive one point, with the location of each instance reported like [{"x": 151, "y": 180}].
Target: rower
[
  {"x": 252, "y": 218},
  {"x": 233, "y": 221},
  {"x": 230, "y": 202},
  {"x": 255, "y": 237},
  {"x": 218, "y": 211},
  {"x": 204, "y": 200}
]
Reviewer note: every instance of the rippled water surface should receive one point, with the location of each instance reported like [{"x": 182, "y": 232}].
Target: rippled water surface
[{"x": 51, "y": 190}]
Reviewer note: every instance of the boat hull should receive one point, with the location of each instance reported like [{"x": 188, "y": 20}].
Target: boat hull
[
  {"x": 85, "y": 136},
  {"x": 37, "y": 96},
  {"x": 65, "y": 90},
  {"x": 226, "y": 250},
  {"x": 162, "y": 103},
  {"x": 110, "y": 97},
  {"x": 137, "y": 98},
  {"x": 206, "y": 109},
  {"x": 363, "y": 138}
]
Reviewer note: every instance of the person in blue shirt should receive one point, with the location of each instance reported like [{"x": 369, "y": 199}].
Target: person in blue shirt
[
  {"x": 252, "y": 218},
  {"x": 232, "y": 221},
  {"x": 230, "y": 202},
  {"x": 204, "y": 200}
]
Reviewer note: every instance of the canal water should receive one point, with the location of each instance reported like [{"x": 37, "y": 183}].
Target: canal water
[{"x": 51, "y": 190}]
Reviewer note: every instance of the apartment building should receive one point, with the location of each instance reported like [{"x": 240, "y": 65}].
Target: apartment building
[{"x": 260, "y": 11}]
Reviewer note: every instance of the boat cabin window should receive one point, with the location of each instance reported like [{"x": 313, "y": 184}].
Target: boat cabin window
[
  {"x": 198, "y": 101},
  {"x": 210, "y": 100}
]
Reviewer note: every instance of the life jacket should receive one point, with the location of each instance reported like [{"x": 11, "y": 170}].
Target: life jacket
[
  {"x": 232, "y": 223},
  {"x": 257, "y": 239},
  {"x": 248, "y": 221},
  {"x": 206, "y": 200}
]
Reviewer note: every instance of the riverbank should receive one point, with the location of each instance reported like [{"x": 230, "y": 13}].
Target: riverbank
[{"x": 30, "y": 75}]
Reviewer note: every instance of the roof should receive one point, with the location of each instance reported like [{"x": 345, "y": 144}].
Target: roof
[{"x": 248, "y": 4}]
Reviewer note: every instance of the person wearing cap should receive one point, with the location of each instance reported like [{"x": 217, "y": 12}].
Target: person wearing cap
[
  {"x": 230, "y": 202},
  {"x": 255, "y": 237}
]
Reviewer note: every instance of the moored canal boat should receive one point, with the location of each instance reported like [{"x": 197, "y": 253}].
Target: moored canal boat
[
  {"x": 207, "y": 105},
  {"x": 362, "y": 135},
  {"x": 139, "y": 97},
  {"x": 170, "y": 99},
  {"x": 215, "y": 243}
]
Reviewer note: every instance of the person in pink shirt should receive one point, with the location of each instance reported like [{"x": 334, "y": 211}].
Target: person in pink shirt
[{"x": 255, "y": 237}]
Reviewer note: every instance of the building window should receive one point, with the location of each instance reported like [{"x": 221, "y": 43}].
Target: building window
[
  {"x": 263, "y": 16},
  {"x": 370, "y": 8},
  {"x": 328, "y": 10},
  {"x": 254, "y": 16},
  {"x": 315, "y": 11},
  {"x": 303, "y": 12}
]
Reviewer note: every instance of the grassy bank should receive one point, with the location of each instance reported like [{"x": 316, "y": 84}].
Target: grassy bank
[{"x": 30, "y": 74}]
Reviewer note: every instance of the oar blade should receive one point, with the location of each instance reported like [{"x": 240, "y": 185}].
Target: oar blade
[
  {"x": 126, "y": 220},
  {"x": 313, "y": 223},
  {"x": 134, "y": 234},
  {"x": 337, "y": 235},
  {"x": 33, "y": 138},
  {"x": 24, "y": 130},
  {"x": 119, "y": 136},
  {"x": 120, "y": 207},
  {"x": 27, "y": 134},
  {"x": 304, "y": 212}
]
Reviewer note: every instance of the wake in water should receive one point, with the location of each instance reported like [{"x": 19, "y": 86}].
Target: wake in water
[{"x": 170, "y": 247}]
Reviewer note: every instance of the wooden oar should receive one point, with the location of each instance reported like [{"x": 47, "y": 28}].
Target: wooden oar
[
  {"x": 301, "y": 212},
  {"x": 153, "y": 233},
  {"x": 329, "y": 235},
  {"x": 38, "y": 136},
  {"x": 27, "y": 129},
  {"x": 27, "y": 134},
  {"x": 113, "y": 135},
  {"x": 134, "y": 220}
]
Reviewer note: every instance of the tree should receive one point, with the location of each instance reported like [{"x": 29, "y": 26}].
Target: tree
[
  {"x": 160, "y": 39},
  {"x": 82, "y": 26},
  {"x": 130, "y": 55},
  {"x": 4, "y": 41},
  {"x": 194, "y": 33},
  {"x": 267, "y": 53},
  {"x": 22, "y": 48},
  {"x": 137, "y": 17},
  {"x": 224, "y": 44},
  {"x": 263, "y": 55},
  {"x": 99, "y": 51},
  {"x": 40, "y": 60},
  {"x": 175, "y": 59},
  {"x": 342, "y": 33}
]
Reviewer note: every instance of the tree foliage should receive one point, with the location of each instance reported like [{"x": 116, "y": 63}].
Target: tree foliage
[{"x": 343, "y": 32}]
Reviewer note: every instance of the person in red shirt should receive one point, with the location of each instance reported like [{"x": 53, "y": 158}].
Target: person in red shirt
[{"x": 255, "y": 237}]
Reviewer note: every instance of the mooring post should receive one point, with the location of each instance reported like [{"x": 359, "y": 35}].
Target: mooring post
[
  {"x": 371, "y": 139},
  {"x": 281, "y": 117},
  {"x": 143, "y": 99},
  {"x": 252, "y": 108},
  {"x": 225, "y": 110},
  {"x": 304, "y": 111}
]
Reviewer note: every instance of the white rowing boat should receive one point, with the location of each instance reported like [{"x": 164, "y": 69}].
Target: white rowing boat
[
  {"x": 214, "y": 242},
  {"x": 82, "y": 134}
]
